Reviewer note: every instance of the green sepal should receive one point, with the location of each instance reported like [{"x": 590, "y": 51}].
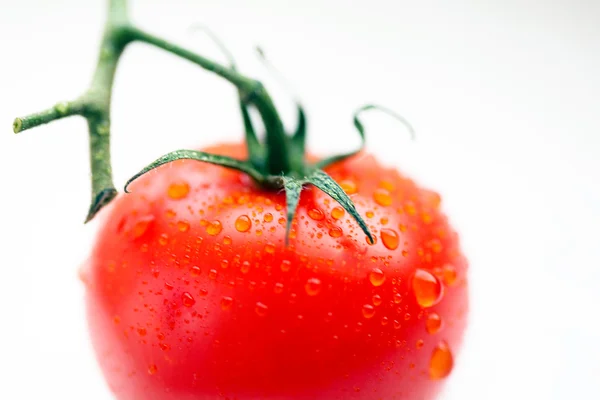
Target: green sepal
[
  {"x": 293, "y": 189},
  {"x": 361, "y": 131},
  {"x": 222, "y": 161},
  {"x": 326, "y": 184}
]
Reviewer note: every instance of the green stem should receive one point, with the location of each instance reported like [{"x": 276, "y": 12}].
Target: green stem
[{"x": 252, "y": 91}]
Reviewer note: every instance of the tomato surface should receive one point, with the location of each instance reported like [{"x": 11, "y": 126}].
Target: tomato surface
[{"x": 192, "y": 293}]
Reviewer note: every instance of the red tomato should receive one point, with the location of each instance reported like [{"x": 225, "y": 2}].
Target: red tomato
[{"x": 192, "y": 293}]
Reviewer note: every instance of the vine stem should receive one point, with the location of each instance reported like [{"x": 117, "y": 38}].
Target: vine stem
[{"x": 94, "y": 103}]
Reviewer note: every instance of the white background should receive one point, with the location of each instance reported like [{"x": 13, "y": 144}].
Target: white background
[{"x": 505, "y": 99}]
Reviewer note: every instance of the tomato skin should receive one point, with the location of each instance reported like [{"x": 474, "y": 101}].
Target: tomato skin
[{"x": 184, "y": 305}]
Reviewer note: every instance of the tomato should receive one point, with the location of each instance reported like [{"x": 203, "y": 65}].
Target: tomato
[
  {"x": 253, "y": 271},
  {"x": 192, "y": 292}
]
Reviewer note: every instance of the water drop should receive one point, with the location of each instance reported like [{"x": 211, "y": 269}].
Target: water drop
[
  {"x": 397, "y": 324},
  {"x": 226, "y": 303},
  {"x": 178, "y": 191},
  {"x": 376, "y": 277},
  {"x": 142, "y": 225},
  {"x": 286, "y": 265},
  {"x": 390, "y": 239},
  {"x": 195, "y": 271},
  {"x": 337, "y": 213},
  {"x": 269, "y": 248},
  {"x": 384, "y": 321},
  {"x": 268, "y": 217},
  {"x": 213, "y": 228},
  {"x": 397, "y": 298},
  {"x": 449, "y": 274},
  {"x": 368, "y": 311},
  {"x": 382, "y": 197},
  {"x": 349, "y": 186},
  {"x": 187, "y": 299},
  {"x": 227, "y": 240},
  {"x": 427, "y": 288},
  {"x": 419, "y": 344},
  {"x": 152, "y": 369},
  {"x": 163, "y": 239},
  {"x": 441, "y": 362},
  {"x": 278, "y": 289},
  {"x": 313, "y": 286},
  {"x": 245, "y": 267},
  {"x": 261, "y": 309},
  {"x": 433, "y": 323},
  {"x": 316, "y": 214},
  {"x": 183, "y": 226},
  {"x": 377, "y": 300},
  {"x": 243, "y": 223},
  {"x": 335, "y": 232},
  {"x": 164, "y": 346},
  {"x": 436, "y": 245},
  {"x": 212, "y": 274}
]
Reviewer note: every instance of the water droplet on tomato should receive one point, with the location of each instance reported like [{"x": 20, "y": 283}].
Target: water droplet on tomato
[
  {"x": 390, "y": 239},
  {"x": 164, "y": 346},
  {"x": 187, "y": 299},
  {"x": 313, "y": 286},
  {"x": 433, "y": 323},
  {"x": 335, "y": 232},
  {"x": 286, "y": 265},
  {"x": 183, "y": 226},
  {"x": 261, "y": 309},
  {"x": 142, "y": 331},
  {"x": 441, "y": 362},
  {"x": 227, "y": 240},
  {"x": 385, "y": 321},
  {"x": 268, "y": 217},
  {"x": 269, "y": 248},
  {"x": 436, "y": 245},
  {"x": 420, "y": 343},
  {"x": 226, "y": 303},
  {"x": 152, "y": 369},
  {"x": 142, "y": 225},
  {"x": 243, "y": 223},
  {"x": 376, "y": 277},
  {"x": 337, "y": 212},
  {"x": 178, "y": 190},
  {"x": 369, "y": 214},
  {"x": 397, "y": 298},
  {"x": 449, "y": 274},
  {"x": 245, "y": 267},
  {"x": 163, "y": 239},
  {"x": 427, "y": 288},
  {"x": 212, "y": 274},
  {"x": 397, "y": 324},
  {"x": 278, "y": 289},
  {"x": 349, "y": 186},
  {"x": 382, "y": 197},
  {"x": 377, "y": 300},
  {"x": 316, "y": 214},
  {"x": 368, "y": 311},
  {"x": 213, "y": 228}
]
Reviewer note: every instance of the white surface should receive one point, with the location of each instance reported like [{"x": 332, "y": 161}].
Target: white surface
[{"x": 504, "y": 96}]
